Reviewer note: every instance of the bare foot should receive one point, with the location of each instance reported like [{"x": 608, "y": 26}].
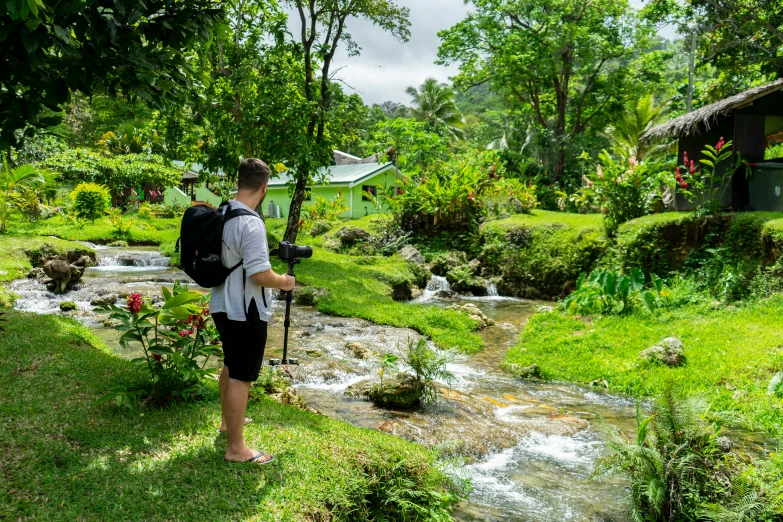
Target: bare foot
[
  {"x": 250, "y": 457},
  {"x": 222, "y": 428}
]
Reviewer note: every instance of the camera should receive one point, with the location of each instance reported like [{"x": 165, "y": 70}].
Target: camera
[{"x": 288, "y": 252}]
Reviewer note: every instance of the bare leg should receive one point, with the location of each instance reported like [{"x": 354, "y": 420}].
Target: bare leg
[
  {"x": 234, "y": 404},
  {"x": 223, "y": 382}
]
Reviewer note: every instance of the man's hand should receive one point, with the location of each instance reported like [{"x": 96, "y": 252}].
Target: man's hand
[
  {"x": 270, "y": 279},
  {"x": 290, "y": 282}
]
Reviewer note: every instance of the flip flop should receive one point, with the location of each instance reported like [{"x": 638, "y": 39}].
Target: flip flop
[
  {"x": 254, "y": 460},
  {"x": 248, "y": 420}
]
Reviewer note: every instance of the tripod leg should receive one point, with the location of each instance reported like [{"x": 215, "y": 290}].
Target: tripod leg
[{"x": 286, "y": 324}]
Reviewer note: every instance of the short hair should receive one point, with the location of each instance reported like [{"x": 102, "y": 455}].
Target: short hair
[{"x": 253, "y": 174}]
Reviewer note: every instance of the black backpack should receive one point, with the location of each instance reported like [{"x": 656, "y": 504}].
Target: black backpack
[{"x": 201, "y": 242}]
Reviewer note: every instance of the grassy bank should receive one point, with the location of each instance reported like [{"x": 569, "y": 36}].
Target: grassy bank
[
  {"x": 541, "y": 255},
  {"x": 732, "y": 353},
  {"x": 65, "y": 458}
]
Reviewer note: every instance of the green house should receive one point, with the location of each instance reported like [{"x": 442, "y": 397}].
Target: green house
[{"x": 354, "y": 178}]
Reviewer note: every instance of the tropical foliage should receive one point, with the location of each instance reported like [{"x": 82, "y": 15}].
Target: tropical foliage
[
  {"x": 433, "y": 102},
  {"x": 705, "y": 184},
  {"x": 177, "y": 341},
  {"x": 607, "y": 292},
  {"x": 90, "y": 201},
  {"x": 13, "y": 184}
]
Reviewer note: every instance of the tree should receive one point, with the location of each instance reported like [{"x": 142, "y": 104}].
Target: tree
[
  {"x": 15, "y": 179},
  {"x": 323, "y": 28},
  {"x": 433, "y": 102},
  {"x": 411, "y": 145},
  {"x": 626, "y": 134},
  {"x": 139, "y": 47},
  {"x": 562, "y": 62}
]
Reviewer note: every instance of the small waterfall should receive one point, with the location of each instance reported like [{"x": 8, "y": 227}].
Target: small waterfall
[
  {"x": 437, "y": 283},
  {"x": 137, "y": 258},
  {"x": 492, "y": 290}
]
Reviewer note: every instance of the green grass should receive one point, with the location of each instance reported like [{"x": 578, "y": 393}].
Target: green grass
[
  {"x": 64, "y": 458},
  {"x": 732, "y": 353},
  {"x": 156, "y": 231}
]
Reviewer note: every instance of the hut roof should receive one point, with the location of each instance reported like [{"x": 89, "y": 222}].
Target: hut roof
[{"x": 689, "y": 123}]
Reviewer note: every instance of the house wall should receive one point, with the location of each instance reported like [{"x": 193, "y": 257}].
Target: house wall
[
  {"x": 174, "y": 196},
  {"x": 207, "y": 196},
  {"x": 281, "y": 198}
]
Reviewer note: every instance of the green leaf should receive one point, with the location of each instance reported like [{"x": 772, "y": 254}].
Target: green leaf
[
  {"x": 166, "y": 293},
  {"x": 657, "y": 283},
  {"x": 649, "y": 302},
  {"x": 637, "y": 279},
  {"x": 131, "y": 335},
  {"x": 624, "y": 287},
  {"x": 182, "y": 299},
  {"x": 707, "y": 162}
]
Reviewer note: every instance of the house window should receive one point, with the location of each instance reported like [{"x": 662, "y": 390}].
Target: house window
[
  {"x": 367, "y": 190},
  {"x": 308, "y": 194}
]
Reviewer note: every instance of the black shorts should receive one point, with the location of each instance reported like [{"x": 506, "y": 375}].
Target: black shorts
[{"x": 243, "y": 343}]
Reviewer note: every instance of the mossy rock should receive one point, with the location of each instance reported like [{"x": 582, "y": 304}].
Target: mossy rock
[
  {"x": 37, "y": 255},
  {"x": 67, "y": 306},
  {"x": 399, "y": 392},
  {"x": 118, "y": 243},
  {"x": 310, "y": 295},
  {"x": 442, "y": 263},
  {"x": 320, "y": 227}
]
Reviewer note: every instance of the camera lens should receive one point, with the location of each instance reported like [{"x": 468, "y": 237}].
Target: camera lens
[{"x": 304, "y": 252}]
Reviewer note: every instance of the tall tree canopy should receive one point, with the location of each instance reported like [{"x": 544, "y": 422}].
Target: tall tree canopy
[
  {"x": 433, "y": 102},
  {"x": 50, "y": 48},
  {"x": 324, "y": 26},
  {"x": 563, "y": 63}
]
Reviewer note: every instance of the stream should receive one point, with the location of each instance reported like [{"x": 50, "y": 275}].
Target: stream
[{"x": 530, "y": 447}]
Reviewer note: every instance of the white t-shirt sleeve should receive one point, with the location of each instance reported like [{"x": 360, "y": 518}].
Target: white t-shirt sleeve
[{"x": 254, "y": 247}]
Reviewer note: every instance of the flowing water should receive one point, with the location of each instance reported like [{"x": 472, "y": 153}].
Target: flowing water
[{"x": 531, "y": 447}]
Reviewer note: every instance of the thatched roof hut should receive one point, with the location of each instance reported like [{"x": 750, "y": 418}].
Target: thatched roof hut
[{"x": 705, "y": 117}]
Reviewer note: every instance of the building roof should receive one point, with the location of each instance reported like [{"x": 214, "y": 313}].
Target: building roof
[
  {"x": 341, "y": 174},
  {"x": 690, "y": 123}
]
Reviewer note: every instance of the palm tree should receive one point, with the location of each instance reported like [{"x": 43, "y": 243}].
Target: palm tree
[
  {"x": 12, "y": 179},
  {"x": 626, "y": 135},
  {"x": 433, "y": 102}
]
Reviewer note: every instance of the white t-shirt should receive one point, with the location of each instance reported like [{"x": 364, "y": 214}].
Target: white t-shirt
[{"x": 244, "y": 239}]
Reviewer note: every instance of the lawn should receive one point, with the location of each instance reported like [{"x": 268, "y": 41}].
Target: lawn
[
  {"x": 732, "y": 353},
  {"x": 64, "y": 458}
]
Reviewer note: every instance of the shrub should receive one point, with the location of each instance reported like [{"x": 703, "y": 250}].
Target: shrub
[
  {"x": 90, "y": 200},
  {"x": 121, "y": 226},
  {"x": 428, "y": 367},
  {"x": 323, "y": 210},
  {"x": 145, "y": 210},
  {"x": 621, "y": 190},
  {"x": 177, "y": 341}
]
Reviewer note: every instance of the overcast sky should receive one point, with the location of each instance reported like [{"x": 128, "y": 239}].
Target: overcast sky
[{"x": 386, "y": 67}]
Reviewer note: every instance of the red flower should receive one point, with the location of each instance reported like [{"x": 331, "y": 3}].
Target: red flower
[
  {"x": 399, "y": 190},
  {"x": 692, "y": 167},
  {"x": 685, "y": 157},
  {"x": 491, "y": 174},
  {"x": 134, "y": 303},
  {"x": 157, "y": 357},
  {"x": 720, "y": 144},
  {"x": 471, "y": 196},
  {"x": 184, "y": 333},
  {"x": 683, "y": 184}
]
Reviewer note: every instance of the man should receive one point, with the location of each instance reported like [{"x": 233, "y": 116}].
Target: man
[{"x": 241, "y": 307}]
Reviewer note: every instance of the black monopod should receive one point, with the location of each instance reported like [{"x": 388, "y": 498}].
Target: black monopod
[{"x": 292, "y": 255}]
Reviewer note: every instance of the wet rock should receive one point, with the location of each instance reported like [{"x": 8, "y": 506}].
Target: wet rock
[
  {"x": 84, "y": 261},
  {"x": 62, "y": 273},
  {"x": 473, "y": 312},
  {"x": 67, "y": 306},
  {"x": 104, "y": 299},
  {"x": 386, "y": 427},
  {"x": 289, "y": 397},
  {"x": 310, "y": 295},
  {"x": 401, "y": 291},
  {"x": 360, "y": 390},
  {"x": 445, "y": 294},
  {"x": 410, "y": 254},
  {"x": 525, "y": 372},
  {"x": 474, "y": 265},
  {"x": 669, "y": 352},
  {"x": 320, "y": 227},
  {"x": 119, "y": 243},
  {"x": 352, "y": 234},
  {"x": 601, "y": 383},
  {"x": 36, "y": 273},
  {"x": 545, "y": 309},
  {"x": 314, "y": 353},
  {"x": 398, "y": 392},
  {"x": 359, "y": 350},
  {"x": 724, "y": 443}
]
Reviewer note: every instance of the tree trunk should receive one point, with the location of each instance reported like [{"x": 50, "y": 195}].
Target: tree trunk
[{"x": 292, "y": 228}]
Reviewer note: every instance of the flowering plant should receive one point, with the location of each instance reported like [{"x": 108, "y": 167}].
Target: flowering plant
[
  {"x": 622, "y": 190},
  {"x": 705, "y": 184},
  {"x": 176, "y": 340}
]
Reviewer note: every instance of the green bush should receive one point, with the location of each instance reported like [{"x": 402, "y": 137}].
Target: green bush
[
  {"x": 607, "y": 292},
  {"x": 90, "y": 200}
]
